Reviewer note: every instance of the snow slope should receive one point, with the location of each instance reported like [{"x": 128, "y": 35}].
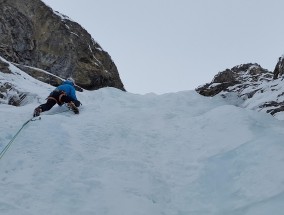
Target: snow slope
[{"x": 126, "y": 154}]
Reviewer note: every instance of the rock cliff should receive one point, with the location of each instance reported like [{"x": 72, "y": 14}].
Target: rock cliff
[
  {"x": 34, "y": 36},
  {"x": 251, "y": 86}
]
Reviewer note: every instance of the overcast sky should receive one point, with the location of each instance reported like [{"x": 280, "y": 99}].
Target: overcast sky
[{"x": 165, "y": 46}]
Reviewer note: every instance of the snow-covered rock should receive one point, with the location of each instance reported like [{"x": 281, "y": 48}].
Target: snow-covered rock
[
  {"x": 18, "y": 88},
  {"x": 253, "y": 85}
]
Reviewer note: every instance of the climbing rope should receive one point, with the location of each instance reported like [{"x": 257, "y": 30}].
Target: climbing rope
[
  {"x": 12, "y": 140},
  {"x": 14, "y": 137}
]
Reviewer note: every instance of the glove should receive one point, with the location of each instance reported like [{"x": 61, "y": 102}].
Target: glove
[{"x": 77, "y": 103}]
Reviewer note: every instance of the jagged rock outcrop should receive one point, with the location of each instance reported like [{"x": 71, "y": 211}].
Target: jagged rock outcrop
[
  {"x": 4, "y": 67},
  {"x": 10, "y": 93},
  {"x": 279, "y": 68},
  {"x": 236, "y": 79},
  {"x": 44, "y": 76},
  {"x": 252, "y": 84},
  {"x": 41, "y": 75},
  {"x": 32, "y": 34}
]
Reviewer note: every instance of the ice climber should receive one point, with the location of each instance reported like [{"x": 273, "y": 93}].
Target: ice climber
[{"x": 65, "y": 93}]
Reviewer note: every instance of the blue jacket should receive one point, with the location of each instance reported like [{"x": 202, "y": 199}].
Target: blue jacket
[{"x": 68, "y": 88}]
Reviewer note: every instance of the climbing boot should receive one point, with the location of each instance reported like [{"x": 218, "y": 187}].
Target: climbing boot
[{"x": 73, "y": 107}]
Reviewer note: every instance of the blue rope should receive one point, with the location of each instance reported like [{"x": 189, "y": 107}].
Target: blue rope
[{"x": 12, "y": 140}]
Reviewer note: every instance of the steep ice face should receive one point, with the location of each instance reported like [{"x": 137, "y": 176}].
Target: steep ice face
[{"x": 177, "y": 153}]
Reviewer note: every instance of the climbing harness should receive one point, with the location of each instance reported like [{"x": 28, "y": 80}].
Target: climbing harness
[{"x": 14, "y": 137}]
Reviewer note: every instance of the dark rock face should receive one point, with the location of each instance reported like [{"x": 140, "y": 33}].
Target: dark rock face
[
  {"x": 31, "y": 34},
  {"x": 41, "y": 75},
  {"x": 236, "y": 79},
  {"x": 44, "y": 76},
  {"x": 4, "y": 67},
  {"x": 254, "y": 86},
  {"x": 279, "y": 68}
]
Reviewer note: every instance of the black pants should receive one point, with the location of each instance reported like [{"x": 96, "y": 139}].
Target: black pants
[{"x": 51, "y": 102}]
